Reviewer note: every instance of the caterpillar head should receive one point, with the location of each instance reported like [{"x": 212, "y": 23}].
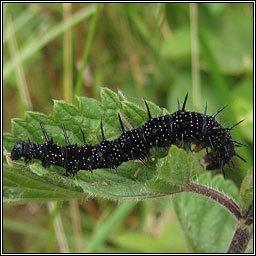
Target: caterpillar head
[
  {"x": 210, "y": 162},
  {"x": 17, "y": 151}
]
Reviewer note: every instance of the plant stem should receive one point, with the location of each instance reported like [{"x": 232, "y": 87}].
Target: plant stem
[
  {"x": 240, "y": 240},
  {"x": 243, "y": 233},
  {"x": 217, "y": 196}
]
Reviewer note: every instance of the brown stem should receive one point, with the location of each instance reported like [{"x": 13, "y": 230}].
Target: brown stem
[
  {"x": 240, "y": 240},
  {"x": 243, "y": 233},
  {"x": 217, "y": 196},
  {"x": 249, "y": 214}
]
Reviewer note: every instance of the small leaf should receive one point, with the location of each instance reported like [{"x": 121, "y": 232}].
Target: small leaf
[
  {"x": 162, "y": 186},
  {"x": 65, "y": 112},
  {"x": 176, "y": 167},
  {"x": 88, "y": 106},
  {"x": 109, "y": 99},
  {"x": 134, "y": 114}
]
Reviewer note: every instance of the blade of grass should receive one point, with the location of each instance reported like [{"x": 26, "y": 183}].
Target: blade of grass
[
  {"x": 59, "y": 230},
  {"x": 67, "y": 56},
  {"x": 26, "y": 103},
  {"x": 76, "y": 224},
  {"x": 51, "y": 234},
  {"x": 195, "y": 54},
  {"x": 24, "y": 18},
  {"x": 22, "y": 228},
  {"x": 116, "y": 217},
  {"x": 87, "y": 48},
  {"x": 36, "y": 45}
]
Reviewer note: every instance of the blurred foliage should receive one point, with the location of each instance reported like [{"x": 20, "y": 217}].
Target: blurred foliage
[{"x": 143, "y": 49}]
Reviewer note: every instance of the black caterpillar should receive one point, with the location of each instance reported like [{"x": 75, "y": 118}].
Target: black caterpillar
[{"x": 187, "y": 127}]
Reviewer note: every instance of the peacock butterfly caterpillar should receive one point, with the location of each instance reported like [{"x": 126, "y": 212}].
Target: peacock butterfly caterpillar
[{"x": 163, "y": 131}]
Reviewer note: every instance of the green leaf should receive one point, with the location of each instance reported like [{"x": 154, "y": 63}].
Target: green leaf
[
  {"x": 23, "y": 186},
  {"x": 87, "y": 114},
  {"x": 88, "y": 106},
  {"x": 176, "y": 167},
  {"x": 110, "y": 100},
  {"x": 134, "y": 114},
  {"x": 174, "y": 171},
  {"x": 162, "y": 186}
]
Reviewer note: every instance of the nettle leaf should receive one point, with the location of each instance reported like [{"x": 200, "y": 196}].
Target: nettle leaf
[
  {"x": 22, "y": 186},
  {"x": 87, "y": 115},
  {"x": 174, "y": 172}
]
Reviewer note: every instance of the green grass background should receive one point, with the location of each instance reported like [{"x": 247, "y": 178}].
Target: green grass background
[{"x": 154, "y": 51}]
